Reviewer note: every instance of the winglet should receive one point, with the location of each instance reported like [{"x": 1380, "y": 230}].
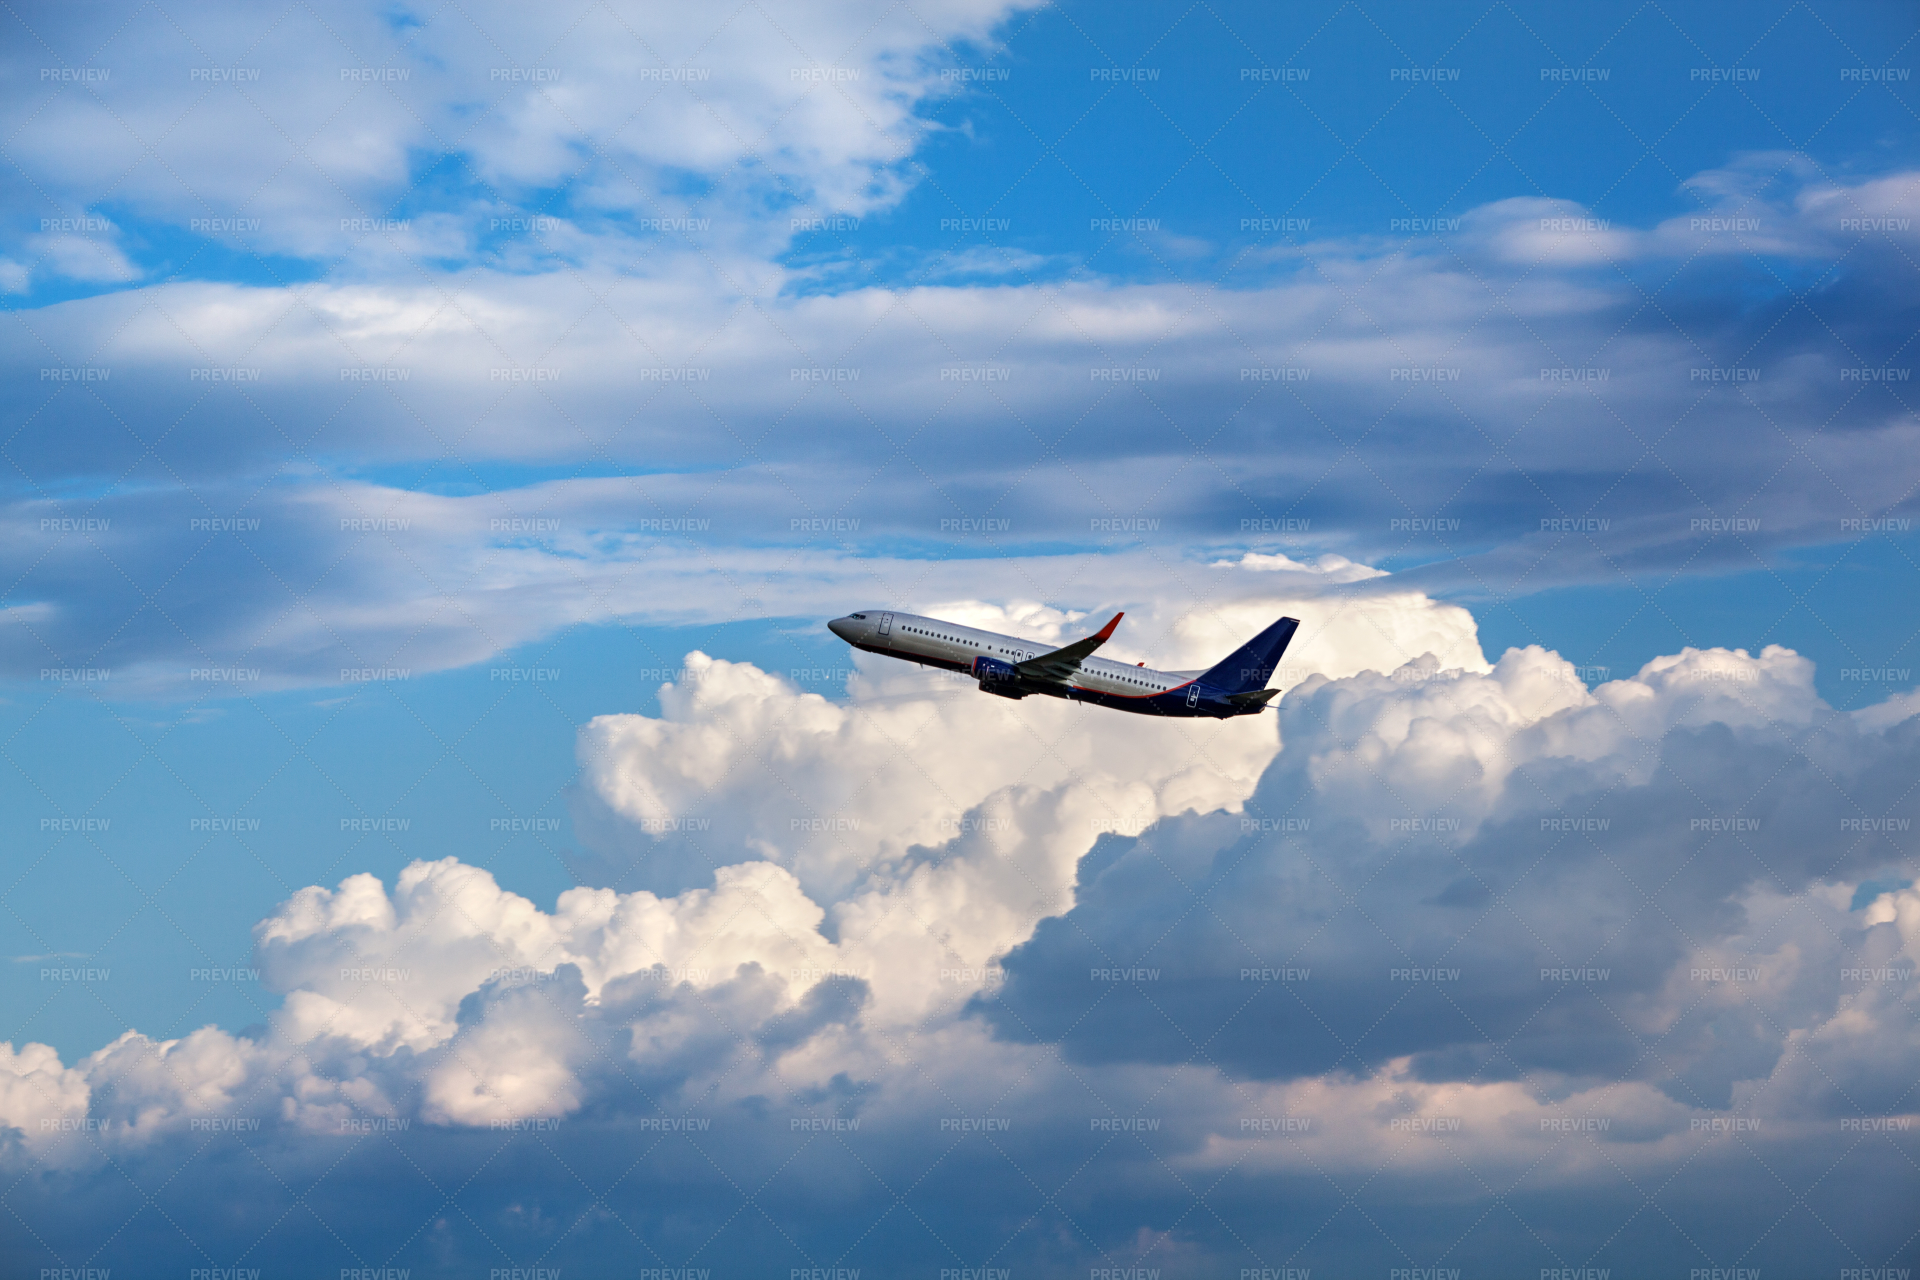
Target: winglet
[{"x": 1059, "y": 664}]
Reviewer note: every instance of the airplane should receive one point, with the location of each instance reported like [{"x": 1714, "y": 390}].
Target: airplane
[{"x": 1013, "y": 668}]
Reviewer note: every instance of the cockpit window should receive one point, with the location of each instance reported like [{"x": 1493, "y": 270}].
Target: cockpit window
[{"x": 861, "y": 616}]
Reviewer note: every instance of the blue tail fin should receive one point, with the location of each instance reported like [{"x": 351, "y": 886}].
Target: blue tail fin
[{"x": 1251, "y": 665}]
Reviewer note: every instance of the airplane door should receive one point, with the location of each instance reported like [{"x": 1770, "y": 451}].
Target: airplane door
[
  {"x": 1193, "y": 694},
  {"x": 886, "y": 624}
]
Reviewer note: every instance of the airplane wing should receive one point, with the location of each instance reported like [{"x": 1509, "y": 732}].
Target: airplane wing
[{"x": 1061, "y": 663}]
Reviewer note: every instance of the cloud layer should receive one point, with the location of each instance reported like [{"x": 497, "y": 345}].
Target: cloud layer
[
  {"x": 341, "y": 475},
  {"x": 300, "y": 135},
  {"x": 1467, "y": 917}
]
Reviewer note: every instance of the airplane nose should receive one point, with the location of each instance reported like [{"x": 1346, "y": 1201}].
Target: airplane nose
[{"x": 840, "y": 627}]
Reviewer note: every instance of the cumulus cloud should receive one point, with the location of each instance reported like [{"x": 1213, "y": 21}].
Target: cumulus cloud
[
  {"x": 779, "y": 868},
  {"x": 741, "y": 764},
  {"x": 1454, "y": 914},
  {"x": 1492, "y": 875},
  {"x": 1451, "y": 878}
]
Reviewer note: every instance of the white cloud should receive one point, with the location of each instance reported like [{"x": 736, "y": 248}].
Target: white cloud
[
  {"x": 1781, "y": 203},
  {"x": 1901, "y": 908},
  {"x": 1555, "y": 233},
  {"x": 1884, "y": 715},
  {"x": 1684, "y": 842},
  {"x": 38, "y": 1095},
  {"x": 757, "y": 761},
  {"x": 286, "y": 134},
  {"x": 81, "y": 258},
  {"x": 461, "y": 351},
  {"x": 812, "y": 959},
  {"x": 1766, "y": 203}
]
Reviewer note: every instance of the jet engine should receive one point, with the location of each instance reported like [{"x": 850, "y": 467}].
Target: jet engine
[{"x": 999, "y": 678}]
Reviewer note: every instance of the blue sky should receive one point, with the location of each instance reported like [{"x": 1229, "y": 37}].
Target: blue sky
[{"x": 446, "y": 837}]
